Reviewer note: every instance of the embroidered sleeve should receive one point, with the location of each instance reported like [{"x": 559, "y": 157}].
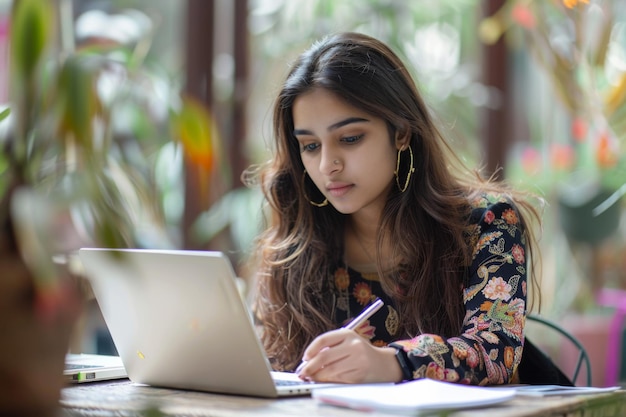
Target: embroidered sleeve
[{"x": 490, "y": 347}]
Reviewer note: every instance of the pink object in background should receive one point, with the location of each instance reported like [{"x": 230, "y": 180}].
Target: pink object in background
[
  {"x": 4, "y": 59},
  {"x": 616, "y": 299}
]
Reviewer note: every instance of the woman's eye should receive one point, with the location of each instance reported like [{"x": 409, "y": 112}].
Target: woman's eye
[
  {"x": 352, "y": 139},
  {"x": 309, "y": 147}
]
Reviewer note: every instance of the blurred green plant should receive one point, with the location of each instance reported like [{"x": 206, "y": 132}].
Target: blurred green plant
[
  {"x": 81, "y": 137},
  {"x": 91, "y": 123}
]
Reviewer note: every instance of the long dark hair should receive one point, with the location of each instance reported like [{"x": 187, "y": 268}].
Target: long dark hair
[{"x": 425, "y": 226}]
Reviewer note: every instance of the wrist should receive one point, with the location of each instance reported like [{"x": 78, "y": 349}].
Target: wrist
[
  {"x": 404, "y": 364},
  {"x": 388, "y": 369}
]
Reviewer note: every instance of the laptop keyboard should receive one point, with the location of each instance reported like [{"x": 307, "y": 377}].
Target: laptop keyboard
[
  {"x": 71, "y": 366},
  {"x": 288, "y": 382}
]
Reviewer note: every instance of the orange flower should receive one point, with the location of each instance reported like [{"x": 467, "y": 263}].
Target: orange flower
[
  {"x": 362, "y": 293},
  {"x": 510, "y": 216},
  {"x": 342, "y": 279},
  {"x": 605, "y": 153},
  {"x": 570, "y": 4}
]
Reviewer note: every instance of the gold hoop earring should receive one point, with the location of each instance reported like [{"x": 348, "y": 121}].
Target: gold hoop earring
[
  {"x": 313, "y": 203},
  {"x": 408, "y": 175}
]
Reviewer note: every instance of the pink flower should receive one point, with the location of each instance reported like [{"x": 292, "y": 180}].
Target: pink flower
[
  {"x": 518, "y": 254},
  {"x": 523, "y": 16},
  {"x": 562, "y": 156},
  {"x": 497, "y": 288},
  {"x": 489, "y": 217},
  {"x": 579, "y": 129},
  {"x": 531, "y": 161}
]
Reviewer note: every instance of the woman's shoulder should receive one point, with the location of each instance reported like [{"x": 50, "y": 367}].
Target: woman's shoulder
[{"x": 487, "y": 206}]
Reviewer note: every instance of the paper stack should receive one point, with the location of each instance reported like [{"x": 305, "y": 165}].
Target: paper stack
[{"x": 412, "y": 397}]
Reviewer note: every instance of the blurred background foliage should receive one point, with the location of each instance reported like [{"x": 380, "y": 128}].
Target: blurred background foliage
[
  {"x": 95, "y": 109},
  {"x": 565, "y": 86},
  {"x": 437, "y": 41},
  {"x": 92, "y": 117}
]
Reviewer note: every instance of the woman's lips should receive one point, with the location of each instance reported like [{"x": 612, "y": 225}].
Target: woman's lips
[{"x": 339, "y": 190}]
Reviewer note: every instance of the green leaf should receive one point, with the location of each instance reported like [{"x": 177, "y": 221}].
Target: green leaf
[
  {"x": 80, "y": 102},
  {"x": 30, "y": 31},
  {"x": 4, "y": 113}
]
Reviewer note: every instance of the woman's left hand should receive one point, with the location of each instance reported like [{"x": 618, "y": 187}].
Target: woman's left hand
[{"x": 343, "y": 356}]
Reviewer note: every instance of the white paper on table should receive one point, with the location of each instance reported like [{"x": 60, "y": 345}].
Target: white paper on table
[
  {"x": 553, "y": 390},
  {"x": 412, "y": 397}
]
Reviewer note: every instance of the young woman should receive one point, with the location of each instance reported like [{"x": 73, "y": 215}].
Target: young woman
[{"x": 366, "y": 200}]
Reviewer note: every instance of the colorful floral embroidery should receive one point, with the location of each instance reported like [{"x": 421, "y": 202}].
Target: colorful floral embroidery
[
  {"x": 509, "y": 356},
  {"x": 489, "y": 348},
  {"x": 392, "y": 322},
  {"x": 434, "y": 371},
  {"x": 518, "y": 254},
  {"x": 497, "y": 288},
  {"x": 486, "y": 239},
  {"x": 510, "y": 216},
  {"x": 366, "y": 330},
  {"x": 489, "y": 216},
  {"x": 342, "y": 279},
  {"x": 363, "y": 293}
]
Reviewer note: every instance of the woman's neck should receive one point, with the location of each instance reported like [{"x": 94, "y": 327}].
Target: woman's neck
[{"x": 360, "y": 243}]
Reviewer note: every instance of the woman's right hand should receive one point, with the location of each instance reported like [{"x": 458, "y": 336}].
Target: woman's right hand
[{"x": 344, "y": 356}]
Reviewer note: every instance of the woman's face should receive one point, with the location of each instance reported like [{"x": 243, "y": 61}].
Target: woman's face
[{"x": 347, "y": 153}]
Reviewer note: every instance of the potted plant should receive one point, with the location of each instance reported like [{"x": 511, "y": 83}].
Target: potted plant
[{"x": 71, "y": 175}]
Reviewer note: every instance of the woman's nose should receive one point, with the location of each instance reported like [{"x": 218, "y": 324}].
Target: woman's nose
[{"x": 330, "y": 163}]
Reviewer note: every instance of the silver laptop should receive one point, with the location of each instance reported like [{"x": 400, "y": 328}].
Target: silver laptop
[
  {"x": 84, "y": 367},
  {"x": 178, "y": 320}
]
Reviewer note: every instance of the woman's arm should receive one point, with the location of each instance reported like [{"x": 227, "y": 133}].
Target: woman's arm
[{"x": 489, "y": 349}]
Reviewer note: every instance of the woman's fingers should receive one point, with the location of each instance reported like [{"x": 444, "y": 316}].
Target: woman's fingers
[
  {"x": 325, "y": 340},
  {"x": 333, "y": 356}
]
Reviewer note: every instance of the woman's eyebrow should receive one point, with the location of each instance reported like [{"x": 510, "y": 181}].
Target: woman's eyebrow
[{"x": 334, "y": 126}]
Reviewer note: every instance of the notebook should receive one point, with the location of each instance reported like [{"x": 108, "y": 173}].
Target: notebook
[
  {"x": 418, "y": 397},
  {"x": 178, "y": 320},
  {"x": 84, "y": 367}
]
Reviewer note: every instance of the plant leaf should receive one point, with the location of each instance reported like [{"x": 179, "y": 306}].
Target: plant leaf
[
  {"x": 30, "y": 29},
  {"x": 4, "y": 114},
  {"x": 193, "y": 127}
]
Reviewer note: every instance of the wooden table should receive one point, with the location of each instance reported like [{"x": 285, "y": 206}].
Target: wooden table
[{"x": 124, "y": 398}]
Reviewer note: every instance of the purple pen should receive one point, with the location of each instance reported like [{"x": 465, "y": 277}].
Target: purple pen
[{"x": 356, "y": 322}]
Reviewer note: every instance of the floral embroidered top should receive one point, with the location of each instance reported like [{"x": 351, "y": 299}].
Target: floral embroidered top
[{"x": 489, "y": 349}]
